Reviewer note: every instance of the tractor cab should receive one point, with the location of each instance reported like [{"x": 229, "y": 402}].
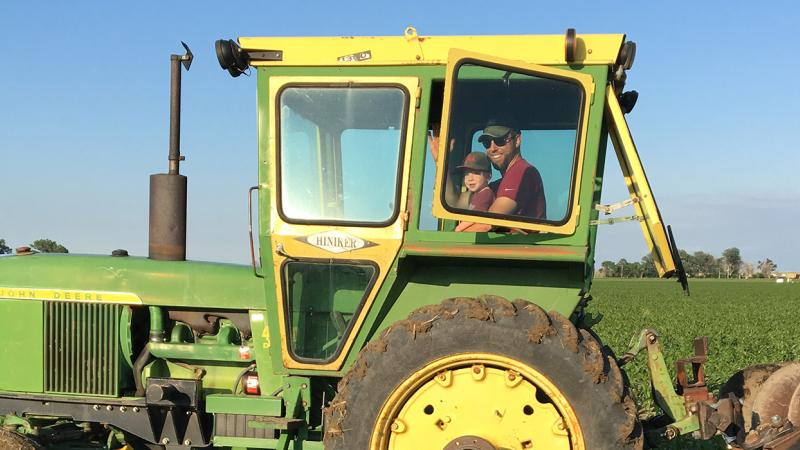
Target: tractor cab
[{"x": 364, "y": 148}]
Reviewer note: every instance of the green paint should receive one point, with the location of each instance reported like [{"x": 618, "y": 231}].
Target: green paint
[
  {"x": 218, "y": 378},
  {"x": 199, "y": 352},
  {"x": 247, "y": 443},
  {"x": 249, "y": 405},
  {"x": 163, "y": 283},
  {"x": 663, "y": 388},
  {"x": 22, "y": 352}
]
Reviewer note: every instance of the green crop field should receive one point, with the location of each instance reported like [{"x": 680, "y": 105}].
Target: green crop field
[{"x": 747, "y": 322}]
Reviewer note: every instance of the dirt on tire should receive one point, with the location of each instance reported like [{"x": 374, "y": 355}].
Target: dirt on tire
[
  {"x": 10, "y": 440},
  {"x": 582, "y": 369}
]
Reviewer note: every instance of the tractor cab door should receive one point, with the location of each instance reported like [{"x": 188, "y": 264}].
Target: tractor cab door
[
  {"x": 519, "y": 128},
  {"x": 341, "y": 149}
]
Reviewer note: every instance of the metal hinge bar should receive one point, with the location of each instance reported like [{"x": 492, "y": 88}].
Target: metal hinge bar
[
  {"x": 614, "y": 220},
  {"x": 608, "y": 209}
]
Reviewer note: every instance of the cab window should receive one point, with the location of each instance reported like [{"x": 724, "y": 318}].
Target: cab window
[
  {"x": 512, "y": 145},
  {"x": 339, "y": 153}
]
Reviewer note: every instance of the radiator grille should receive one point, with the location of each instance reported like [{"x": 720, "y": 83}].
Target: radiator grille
[{"x": 82, "y": 348}]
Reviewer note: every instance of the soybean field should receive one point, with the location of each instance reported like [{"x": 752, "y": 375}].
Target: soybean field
[{"x": 747, "y": 321}]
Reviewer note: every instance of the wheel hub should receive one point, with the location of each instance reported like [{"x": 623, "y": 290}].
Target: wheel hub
[
  {"x": 478, "y": 407},
  {"x": 469, "y": 443}
]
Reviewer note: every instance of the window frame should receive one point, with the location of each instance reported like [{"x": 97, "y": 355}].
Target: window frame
[
  {"x": 585, "y": 82},
  {"x": 400, "y": 155},
  {"x": 287, "y": 323}
]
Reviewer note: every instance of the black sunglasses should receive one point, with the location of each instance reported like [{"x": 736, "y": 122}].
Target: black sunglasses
[{"x": 498, "y": 141}]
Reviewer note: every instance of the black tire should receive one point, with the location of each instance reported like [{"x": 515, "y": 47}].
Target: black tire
[
  {"x": 10, "y": 440},
  {"x": 586, "y": 375}
]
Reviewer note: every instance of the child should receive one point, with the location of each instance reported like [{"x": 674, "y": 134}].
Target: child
[{"x": 477, "y": 172}]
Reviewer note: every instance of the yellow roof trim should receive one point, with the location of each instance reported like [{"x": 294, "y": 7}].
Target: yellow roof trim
[{"x": 594, "y": 49}]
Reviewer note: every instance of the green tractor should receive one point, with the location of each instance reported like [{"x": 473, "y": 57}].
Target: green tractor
[{"x": 427, "y": 210}]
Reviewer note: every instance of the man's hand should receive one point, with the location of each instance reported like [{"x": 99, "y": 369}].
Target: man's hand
[
  {"x": 477, "y": 227},
  {"x": 433, "y": 141}
]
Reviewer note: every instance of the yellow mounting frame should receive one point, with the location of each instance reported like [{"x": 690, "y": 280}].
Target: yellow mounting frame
[
  {"x": 414, "y": 49},
  {"x": 587, "y": 84},
  {"x": 387, "y": 239},
  {"x": 639, "y": 188}
]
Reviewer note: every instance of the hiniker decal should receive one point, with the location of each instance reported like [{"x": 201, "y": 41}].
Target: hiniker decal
[{"x": 336, "y": 241}]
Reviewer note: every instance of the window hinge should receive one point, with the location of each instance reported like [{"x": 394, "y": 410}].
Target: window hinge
[
  {"x": 614, "y": 220},
  {"x": 608, "y": 209},
  {"x": 419, "y": 96}
]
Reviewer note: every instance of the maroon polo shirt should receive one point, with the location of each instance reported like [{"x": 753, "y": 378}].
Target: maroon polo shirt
[
  {"x": 523, "y": 184},
  {"x": 481, "y": 200}
]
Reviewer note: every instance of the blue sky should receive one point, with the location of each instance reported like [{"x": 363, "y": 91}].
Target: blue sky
[{"x": 84, "y": 113}]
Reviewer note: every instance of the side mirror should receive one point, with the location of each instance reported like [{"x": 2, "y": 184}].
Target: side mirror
[{"x": 231, "y": 57}]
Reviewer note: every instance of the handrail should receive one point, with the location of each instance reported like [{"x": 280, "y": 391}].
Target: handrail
[{"x": 250, "y": 229}]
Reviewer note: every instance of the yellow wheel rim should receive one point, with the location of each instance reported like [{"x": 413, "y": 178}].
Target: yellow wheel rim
[{"x": 492, "y": 401}]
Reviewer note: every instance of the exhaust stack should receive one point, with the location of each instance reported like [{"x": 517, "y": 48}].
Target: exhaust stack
[{"x": 167, "y": 240}]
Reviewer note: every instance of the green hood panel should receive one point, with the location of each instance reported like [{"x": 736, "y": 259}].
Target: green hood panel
[{"x": 165, "y": 283}]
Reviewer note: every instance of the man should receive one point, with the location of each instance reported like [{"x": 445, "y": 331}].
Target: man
[{"x": 519, "y": 192}]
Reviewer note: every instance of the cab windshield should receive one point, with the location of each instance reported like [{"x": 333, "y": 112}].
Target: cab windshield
[
  {"x": 339, "y": 153},
  {"x": 513, "y": 144}
]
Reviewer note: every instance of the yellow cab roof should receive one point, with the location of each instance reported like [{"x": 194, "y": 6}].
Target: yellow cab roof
[{"x": 412, "y": 49}]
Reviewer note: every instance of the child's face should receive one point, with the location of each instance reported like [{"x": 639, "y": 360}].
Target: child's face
[{"x": 475, "y": 180}]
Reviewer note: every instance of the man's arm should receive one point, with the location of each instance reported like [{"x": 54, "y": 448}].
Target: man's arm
[
  {"x": 503, "y": 205},
  {"x": 453, "y": 198}
]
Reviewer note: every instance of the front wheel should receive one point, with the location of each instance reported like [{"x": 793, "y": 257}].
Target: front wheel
[{"x": 483, "y": 374}]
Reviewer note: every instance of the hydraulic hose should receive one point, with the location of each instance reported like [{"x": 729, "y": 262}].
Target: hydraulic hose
[{"x": 138, "y": 366}]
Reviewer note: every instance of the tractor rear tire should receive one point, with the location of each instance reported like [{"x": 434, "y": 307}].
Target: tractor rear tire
[{"x": 462, "y": 340}]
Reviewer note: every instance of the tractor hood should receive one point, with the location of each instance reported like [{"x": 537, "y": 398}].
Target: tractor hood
[{"x": 130, "y": 280}]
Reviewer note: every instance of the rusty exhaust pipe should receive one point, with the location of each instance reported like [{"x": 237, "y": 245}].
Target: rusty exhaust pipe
[{"x": 167, "y": 241}]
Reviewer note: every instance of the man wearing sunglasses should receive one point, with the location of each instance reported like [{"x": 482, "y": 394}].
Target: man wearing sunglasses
[{"x": 520, "y": 191}]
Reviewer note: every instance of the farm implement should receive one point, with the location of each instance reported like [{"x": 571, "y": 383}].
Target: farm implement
[{"x": 385, "y": 306}]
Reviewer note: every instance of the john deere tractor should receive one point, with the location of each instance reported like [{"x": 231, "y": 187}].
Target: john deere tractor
[{"x": 385, "y": 307}]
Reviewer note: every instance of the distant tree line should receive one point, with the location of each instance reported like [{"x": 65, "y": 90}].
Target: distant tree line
[
  {"x": 40, "y": 245},
  {"x": 697, "y": 265}
]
